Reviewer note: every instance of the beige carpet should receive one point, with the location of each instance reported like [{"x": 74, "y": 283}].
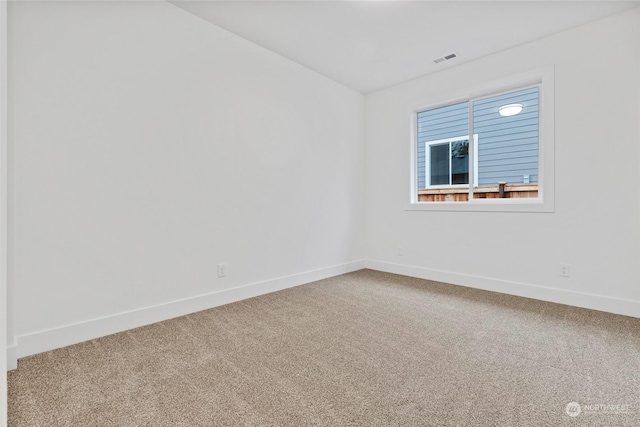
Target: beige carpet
[{"x": 362, "y": 349}]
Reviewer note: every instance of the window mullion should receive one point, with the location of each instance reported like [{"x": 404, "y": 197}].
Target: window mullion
[
  {"x": 472, "y": 152},
  {"x": 450, "y": 165}
]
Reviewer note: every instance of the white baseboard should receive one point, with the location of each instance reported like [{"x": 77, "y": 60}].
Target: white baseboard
[
  {"x": 50, "y": 339},
  {"x": 578, "y": 299}
]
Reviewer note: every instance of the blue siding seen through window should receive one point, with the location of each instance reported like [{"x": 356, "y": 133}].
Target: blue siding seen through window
[{"x": 507, "y": 146}]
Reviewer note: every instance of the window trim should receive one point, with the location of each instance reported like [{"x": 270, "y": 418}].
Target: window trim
[{"x": 545, "y": 202}]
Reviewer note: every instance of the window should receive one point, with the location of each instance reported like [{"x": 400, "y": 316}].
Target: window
[
  {"x": 505, "y": 163},
  {"x": 448, "y": 161}
]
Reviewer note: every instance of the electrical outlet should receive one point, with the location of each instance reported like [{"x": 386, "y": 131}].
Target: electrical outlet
[
  {"x": 564, "y": 270},
  {"x": 399, "y": 250},
  {"x": 222, "y": 270}
]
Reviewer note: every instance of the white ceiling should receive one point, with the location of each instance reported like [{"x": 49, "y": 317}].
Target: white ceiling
[{"x": 370, "y": 45}]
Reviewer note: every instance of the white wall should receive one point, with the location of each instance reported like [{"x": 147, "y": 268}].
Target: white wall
[
  {"x": 148, "y": 146},
  {"x": 596, "y": 224},
  {"x": 3, "y": 214}
]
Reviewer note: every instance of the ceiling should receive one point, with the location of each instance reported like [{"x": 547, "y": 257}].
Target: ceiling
[{"x": 370, "y": 45}]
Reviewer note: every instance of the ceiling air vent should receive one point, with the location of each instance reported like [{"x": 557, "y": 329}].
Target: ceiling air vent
[{"x": 445, "y": 58}]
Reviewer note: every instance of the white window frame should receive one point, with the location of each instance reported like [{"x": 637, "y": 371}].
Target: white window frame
[
  {"x": 427, "y": 159},
  {"x": 545, "y": 202}
]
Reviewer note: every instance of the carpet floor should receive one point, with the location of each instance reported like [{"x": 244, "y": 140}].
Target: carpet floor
[{"x": 361, "y": 349}]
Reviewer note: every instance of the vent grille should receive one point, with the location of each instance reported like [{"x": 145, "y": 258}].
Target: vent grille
[{"x": 444, "y": 58}]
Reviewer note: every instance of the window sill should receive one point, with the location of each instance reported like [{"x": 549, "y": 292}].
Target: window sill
[{"x": 531, "y": 205}]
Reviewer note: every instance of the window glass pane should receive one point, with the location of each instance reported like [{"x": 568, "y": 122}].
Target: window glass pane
[
  {"x": 507, "y": 132},
  {"x": 437, "y": 130},
  {"x": 439, "y": 164},
  {"x": 442, "y": 123},
  {"x": 460, "y": 162}
]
